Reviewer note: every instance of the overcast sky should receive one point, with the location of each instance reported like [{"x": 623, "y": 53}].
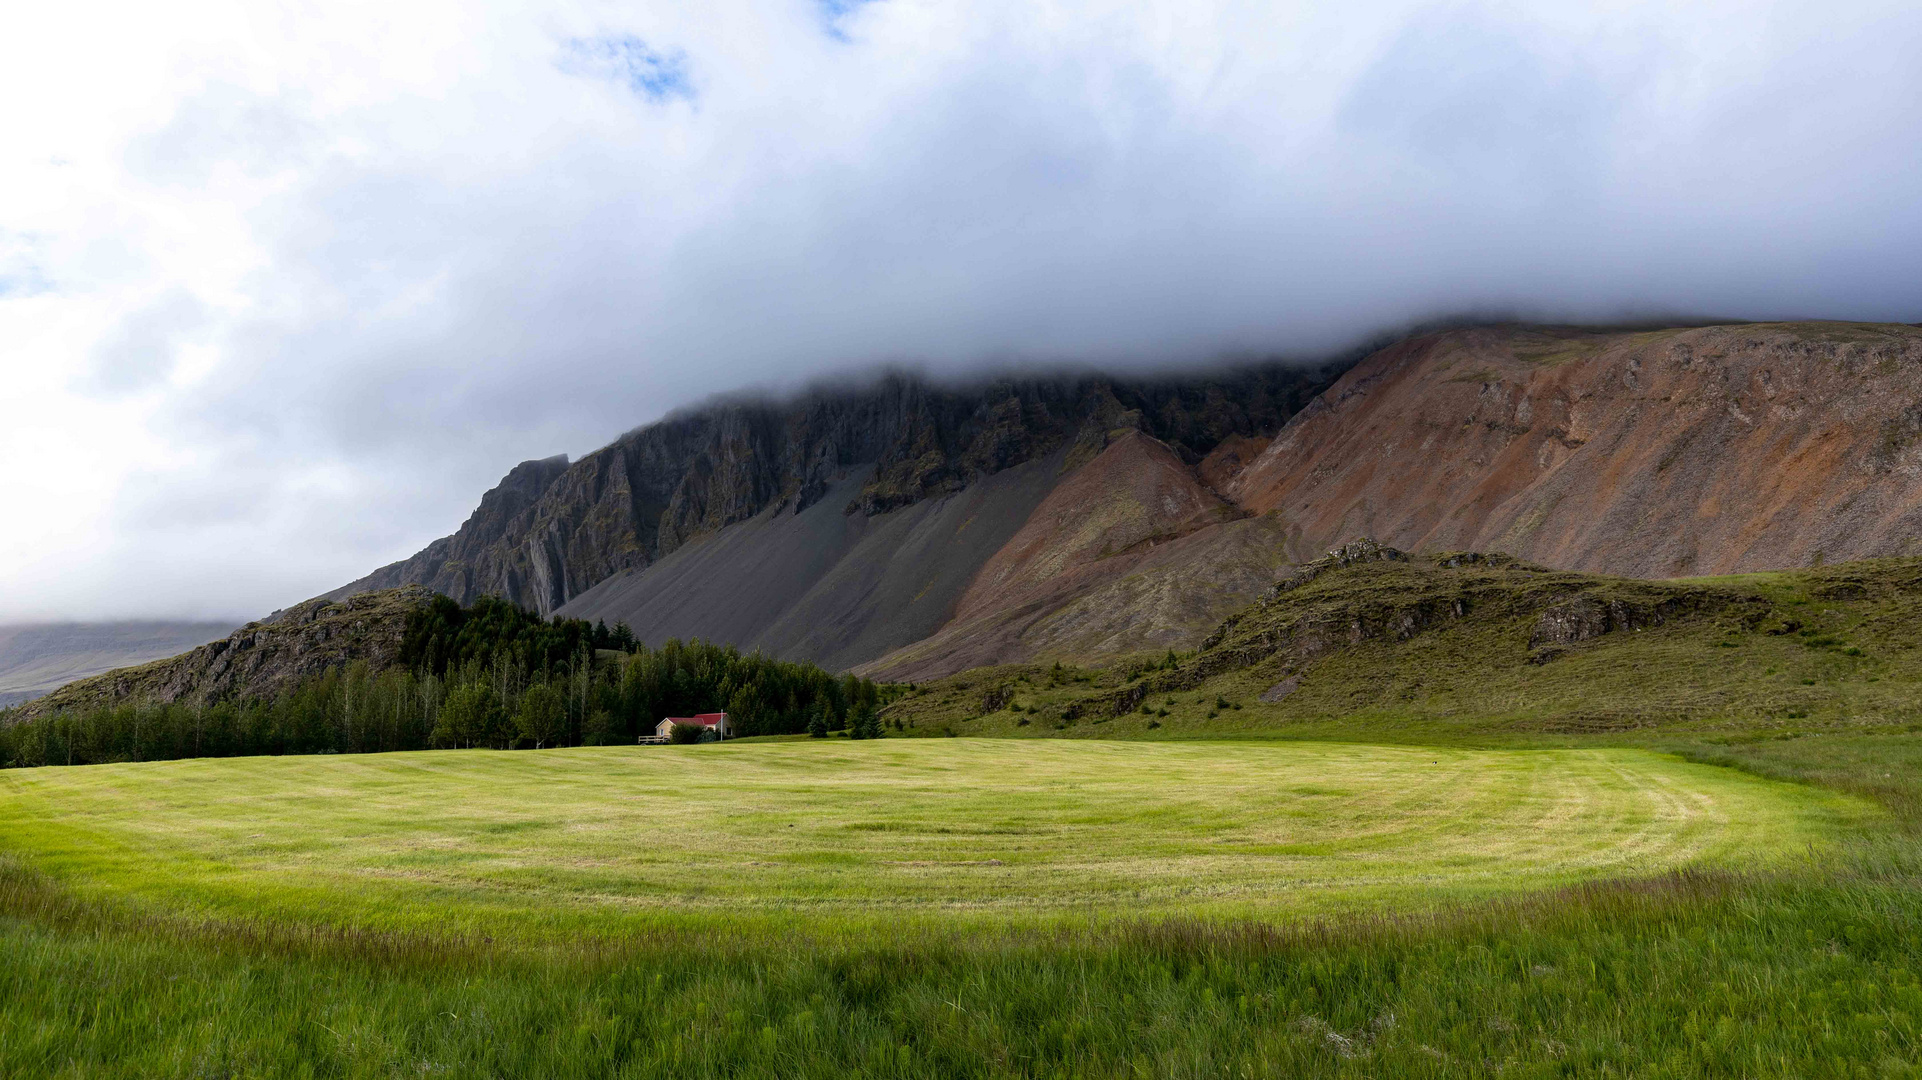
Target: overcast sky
[{"x": 285, "y": 286}]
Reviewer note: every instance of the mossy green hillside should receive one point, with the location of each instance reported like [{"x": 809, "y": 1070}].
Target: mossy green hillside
[{"x": 1485, "y": 648}]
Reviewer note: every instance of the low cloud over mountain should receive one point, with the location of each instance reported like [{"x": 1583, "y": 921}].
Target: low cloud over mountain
[{"x": 276, "y": 317}]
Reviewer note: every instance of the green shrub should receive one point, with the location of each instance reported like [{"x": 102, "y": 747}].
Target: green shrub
[
  {"x": 601, "y": 729},
  {"x": 472, "y": 716},
  {"x": 542, "y": 717}
]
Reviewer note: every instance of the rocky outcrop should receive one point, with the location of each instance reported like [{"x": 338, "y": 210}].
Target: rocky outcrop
[
  {"x": 1354, "y": 553},
  {"x": 1585, "y": 618},
  {"x": 1651, "y": 454},
  {"x": 36, "y": 659},
  {"x": 551, "y": 531},
  {"x": 257, "y": 660}
]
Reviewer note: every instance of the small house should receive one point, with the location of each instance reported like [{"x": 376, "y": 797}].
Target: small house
[{"x": 717, "y": 721}]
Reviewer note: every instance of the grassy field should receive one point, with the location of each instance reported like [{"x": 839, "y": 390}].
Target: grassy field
[
  {"x": 408, "y": 915},
  {"x": 584, "y": 840}
]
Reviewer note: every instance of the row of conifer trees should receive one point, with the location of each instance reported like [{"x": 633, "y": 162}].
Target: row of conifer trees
[{"x": 486, "y": 676}]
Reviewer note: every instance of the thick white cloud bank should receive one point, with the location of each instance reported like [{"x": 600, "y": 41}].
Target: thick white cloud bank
[{"x": 284, "y": 287}]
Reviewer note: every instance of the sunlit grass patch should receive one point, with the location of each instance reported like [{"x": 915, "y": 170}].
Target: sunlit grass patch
[{"x": 572, "y": 839}]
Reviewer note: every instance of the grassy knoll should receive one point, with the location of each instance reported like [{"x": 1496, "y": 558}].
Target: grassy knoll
[
  {"x": 1489, "y": 651},
  {"x": 581, "y": 841}
]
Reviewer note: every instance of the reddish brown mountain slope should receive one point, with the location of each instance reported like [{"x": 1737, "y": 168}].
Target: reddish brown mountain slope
[
  {"x": 1131, "y": 551},
  {"x": 1677, "y": 452},
  {"x": 1133, "y": 494}
]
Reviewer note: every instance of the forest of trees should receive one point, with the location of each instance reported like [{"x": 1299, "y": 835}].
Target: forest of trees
[{"x": 487, "y": 676}]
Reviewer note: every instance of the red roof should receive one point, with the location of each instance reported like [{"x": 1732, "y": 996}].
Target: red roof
[{"x": 706, "y": 719}]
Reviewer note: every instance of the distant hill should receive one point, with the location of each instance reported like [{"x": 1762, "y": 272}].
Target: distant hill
[
  {"x": 38, "y": 658},
  {"x": 908, "y": 530},
  {"x": 256, "y": 660}
]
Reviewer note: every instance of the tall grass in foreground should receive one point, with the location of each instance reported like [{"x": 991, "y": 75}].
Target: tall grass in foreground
[
  {"x": 1689, "y": 974},
  {"x": 1683, "y": 976}
]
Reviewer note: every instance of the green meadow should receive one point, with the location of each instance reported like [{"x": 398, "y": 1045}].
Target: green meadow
[
  {"x": 968, "y": 907},
  {"x": 596, "y": 839}
]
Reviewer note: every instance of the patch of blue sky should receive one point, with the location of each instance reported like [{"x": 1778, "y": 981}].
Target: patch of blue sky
[
  {"x": 630, "y": 62},
  {"x": 30, "y": 282},
  {"x": 834, "y": 11},
  {"x": 20, "y": 273}
]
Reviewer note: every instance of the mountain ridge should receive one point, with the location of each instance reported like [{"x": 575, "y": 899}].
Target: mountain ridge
[
  {"x": 699, "y": 471},
  {"x": 1645, "y": 452}
]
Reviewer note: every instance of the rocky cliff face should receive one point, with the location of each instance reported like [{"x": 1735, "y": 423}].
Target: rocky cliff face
[
  {"x": 258, "y": 659},
  {"x": 551, "y": 530},
  {"x": 453, "y": 564},
  {"x": 1662, "y": 454}
]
